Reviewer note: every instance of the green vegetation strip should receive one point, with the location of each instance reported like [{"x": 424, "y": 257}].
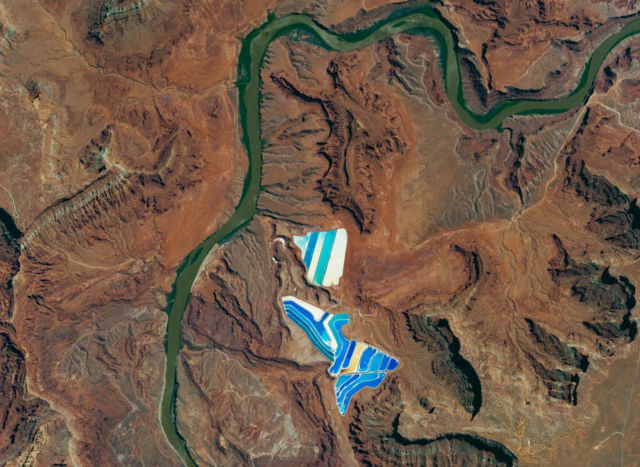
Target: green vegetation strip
[{"x": 422, "y": 20}]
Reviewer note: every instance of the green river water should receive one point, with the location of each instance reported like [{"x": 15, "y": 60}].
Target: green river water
[{"x": 415, "y": 21}]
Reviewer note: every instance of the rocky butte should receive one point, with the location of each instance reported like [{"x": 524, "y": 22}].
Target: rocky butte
[{"x": 499, "y": 267}]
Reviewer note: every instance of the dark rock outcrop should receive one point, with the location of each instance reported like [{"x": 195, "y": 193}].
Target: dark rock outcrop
[
  {"x": 615, "y": 218},
  {"x": 621, "y": 227},
  {"x": 378, "y": 440},
  {"x": 608, "y": 299},
  {"x": 560, "y": 384},
  {"x": 9, "y": 262},
  {"x": 447, "y": 363},
  {"x": 550, "y": 344},
  {"x": 18, "y": 412},
  {"x": 592, "y": 188}
]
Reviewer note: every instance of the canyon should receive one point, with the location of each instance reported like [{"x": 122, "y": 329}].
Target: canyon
[{"x": 498, "y": 266}]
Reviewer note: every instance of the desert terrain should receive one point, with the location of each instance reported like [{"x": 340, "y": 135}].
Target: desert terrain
[{"x": 499, "y": 266}]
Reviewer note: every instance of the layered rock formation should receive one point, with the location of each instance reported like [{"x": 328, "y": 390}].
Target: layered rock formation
[{"x": 107, "y": 151}]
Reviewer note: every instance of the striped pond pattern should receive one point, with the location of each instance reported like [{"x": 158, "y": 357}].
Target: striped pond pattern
[
  {"x": 355, "y": 364},
  {"x": 323, "y": 255}
]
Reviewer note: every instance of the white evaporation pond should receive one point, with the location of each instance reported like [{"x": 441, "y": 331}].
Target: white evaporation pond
[{"x": 323, "y": 255}]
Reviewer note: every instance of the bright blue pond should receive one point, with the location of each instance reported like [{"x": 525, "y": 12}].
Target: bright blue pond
[{"x": 356, "y": 365}]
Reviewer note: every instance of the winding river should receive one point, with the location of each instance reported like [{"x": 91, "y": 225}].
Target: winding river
[{"x": 415, "y": 21}]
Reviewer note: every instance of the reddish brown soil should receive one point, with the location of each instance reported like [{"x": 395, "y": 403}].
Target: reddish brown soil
[{"x": 500, "y": 269}]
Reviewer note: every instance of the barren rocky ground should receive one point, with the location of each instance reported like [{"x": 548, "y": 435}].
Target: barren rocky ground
[{"x": 499, "y": 267}]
